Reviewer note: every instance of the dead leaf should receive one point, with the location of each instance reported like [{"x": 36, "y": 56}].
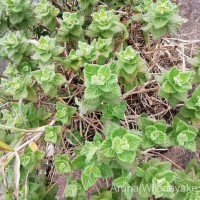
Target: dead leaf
[
  {"x": 16, "y": 174},
  {"x": 5, "y": 146},
  {"x": 33, "y": 146}
]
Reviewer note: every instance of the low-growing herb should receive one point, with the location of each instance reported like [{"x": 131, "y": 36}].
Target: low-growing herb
[{"x": 175, "y": 85}]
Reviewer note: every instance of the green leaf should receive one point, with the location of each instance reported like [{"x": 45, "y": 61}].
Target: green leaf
[
  {"x": 61, "y": 163},
  {"x": 64, "y": 113},
  {"x": 120, "y": 182},
  {"x": 106, "y": 171},
  {"x": 92, "y": 92},
  {"x": 106, "y": 149},
  {"x": 89, "y": 150},
  {"x": 78, "y": 162},
  {"x": 118, "y": 132},
  {"x": 59, "y": 79},
  {"x": 127, "y": 156},
  {"x": 89, "y": 176},
  {"x": 133, "y": 140},
  {"x": 167, "y": 87},
  {"x": 160, "y": 22},
  {"x": 71, "y": 190}
]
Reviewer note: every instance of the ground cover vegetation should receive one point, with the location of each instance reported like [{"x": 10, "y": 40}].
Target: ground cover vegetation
[{"x": 90, "y": 101}]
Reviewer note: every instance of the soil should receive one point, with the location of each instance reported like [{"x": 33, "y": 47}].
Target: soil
[{"x": 190, "y": 9}]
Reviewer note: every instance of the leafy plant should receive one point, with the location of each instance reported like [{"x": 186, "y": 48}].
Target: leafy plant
[
  {"x": 90, "y": 175},
  {"x": 87, "y": 52},
  {"x": 64, "y": 113},
  {"x": 161, "y": 18},
  {"x": 49, "y": 79},
  {"x": 25, "y": 115},
  {"x": 14, "y": 46},
  {"x": 114, "y": 112},
  {"x": 183, "y": 135},
  {"x": 61, "y": 163},
  {"x": 132, "y": 68},
  {"x": 101, "y": 85},
  {"x": 155, "y": 178},
  {"x": 104, "y": 48},
  {"x": 20, "y": 87},
  {"x": 195, "y": 62},
  {"x": 78, "y": 78},
  {"x": 99, "y": 50},
  {"x": 87, "y": 6},
  {"x": 71, "y": 27},
  {"x": 30, "y": 159},
  {"x": 74, "y": 189},
  {"x": 106, "y": 195},
  {"x": 46, "y": 13},
  {"x": 53, "y": 134},
  {"x": 175, "y": 85},
  {"x": 105, "y": 24},
  {"x": 154, "y": 132},
  {"x": 191, "y": 110},
  {"x": 73, "y": 60},
  {"x": 189, "y": 179},
  {"x": 46, "y": 50},
  {"x": 123, "y": 182},
  {"x": 121, "y": 144},
  {"x": 19, "y": 12}
]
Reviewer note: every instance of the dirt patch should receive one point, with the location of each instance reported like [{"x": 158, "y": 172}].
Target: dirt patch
[
  {"x": 179, "y": 156},
  {"x": 190, "y": 9}
]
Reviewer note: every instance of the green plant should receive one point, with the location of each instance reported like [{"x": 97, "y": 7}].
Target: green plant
[
  {"x": 46, "y": 50},
  {"x": 14, "y": 46},
  {"x": 46, "y": 13},
  {"x": 74, "y": 189},
  {"x": 71, "y": 27},
  {"x": 191, "y": 110},
  {"x": 154, "y": 132},
  {"x": 195, "y": 62},
  {"x": 48, "y": 79},
  {"x": 104, "y": 24},
  {"x": 106, "y": 195},
  {"x": 114, "y": 112},
  {"x": 73, "y": 60},
  {"x": 28, "y": 115},
  {"x": 155, "y": 178},
  {"x": 76, "y": 85},
  {"x": 30, "y": 159},
  {"x": 161, "y": 18},
  {"x": 87, "y": 5},
  {"x": 189, "y": 179},
  {"x": 64, "y": 113},
  {"x": 175, "y": 85},
  {"x": 53, "y": 134},
  {"x": 99, "y": 50},
  {"x": 20, "y": 13},
  {"x": 104, "y": 48},
  {"x": 121, "y": 144},
  {"x": 61, "y": 163},
  {"x": 183, "y": 135},
  {"x": 87, "y": 52},
  {"x": 101, "y": 85},
  {"x": 124, "y": 181},
  {"x": 132, "y": 68},
  {"x": 20, "y": 87}
]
